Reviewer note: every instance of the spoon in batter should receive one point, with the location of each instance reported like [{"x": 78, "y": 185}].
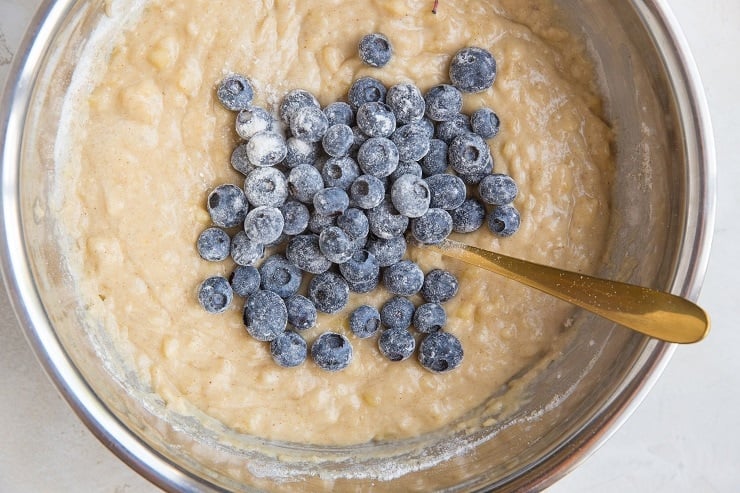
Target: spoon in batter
[{"x": 660, "y": 315}]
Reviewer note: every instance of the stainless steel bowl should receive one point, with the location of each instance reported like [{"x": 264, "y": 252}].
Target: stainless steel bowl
[{"x": 664, "y": 209}]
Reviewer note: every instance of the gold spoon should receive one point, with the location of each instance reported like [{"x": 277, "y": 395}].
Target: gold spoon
[{"x": 655, "y": 313}]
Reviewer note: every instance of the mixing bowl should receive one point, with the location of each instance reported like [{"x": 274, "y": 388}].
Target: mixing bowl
[{"x": 663, "y": 209}]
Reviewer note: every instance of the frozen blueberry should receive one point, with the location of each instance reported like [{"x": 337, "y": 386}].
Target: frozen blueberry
[
  {"x": 264, "y": 224},
  {"x": 468, "y": 153},
  {"x": 375, "y": 49},
  {"x": 433, "y": 227},
  {"x": 304, "y": 181},
  {"x": 386, "y": 221},
  {"x": 266, "y": 148},
  {"x": 227, "y": 206},
  {"x": 468, "y": 217},
  {"x": 213, "y": 244},
  {"x": 354, "y": 222},
  {"x": 387, "y": 251},
  {"x": 440, "y": 352},
  {"x": 289, "y": 349},
  {"x": 455, "y": 126},
  {"x": 435, "y": 161},
  {"x": 477, "y": 177},
  {"x": 265, "y": 315},
  {"x": 503, "y": 220},
  {"x": 485, "y": 123},
  {"x": 245, "y": 280},
  {"x": 295, "y": 216},
  {"x": 472, "y": 69},
  {"x": 251, "y": 121},
  {"x": 245, "y": 251},
  {"x": 365, "y": 90},
  {"x": 439, "y": 286},
  {"x": 378, "y": 157},
  {"x": 367, "y": 191},
  {"x": 331, "y": 351},
  {"x": 361, "y": 267},
  {"x": 429, "y": 317},
  {"x": 338, "y": 140},
  {"x": 295, "y": 100},
  {"x": 412, "y": 142},
  {"x": 397, "y": 312},
  {"x": 410, "y": 196},
  {"x": 303, "y": 251},
  {"x": 396, "y": 344},
  {"x": 497, "y": 189},
  {"x": 447, "y": 191},
  {"x": 443, "y": 102},
  {"x": 266, "y": 186},
  {"x": 336, "y": 245},
  {"x": 403, "y": 278},
  {"x": 215, "y": 294},
  {"x": 301, "y": 312},
  {"x": 407, "y": 103},
  {"x": 319, "y": 222},
  {"x": 376, "y": 119},
  {"x": 406, "y": 168},
  {"x": 299, "y": 151},
  {"x": 309, "y": 123},
  {"x": 364, "y": 321},
  {"x": 330, "y": 201},
  {"x": 362, "y": 287},
  {"x": 340, "y": 172},
  {"x": 329, "y": 292},
  {"x": 235, "y": 92},
  {"x": 359, "y": 139},
  {"x": 240, "y": 161},
  {"x": 280, "y": 276},
  {"x": 340, "y": 113},
  {"x": 428, "y": 125}
]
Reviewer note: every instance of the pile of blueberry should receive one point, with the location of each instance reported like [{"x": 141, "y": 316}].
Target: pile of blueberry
[{"x": 338, "y": 197}]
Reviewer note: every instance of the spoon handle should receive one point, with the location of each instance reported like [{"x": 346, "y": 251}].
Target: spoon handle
[{"x": 654, "y": 313}]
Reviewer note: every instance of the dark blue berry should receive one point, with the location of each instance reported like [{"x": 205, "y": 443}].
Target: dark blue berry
[
  {"x": 468, "y": 153},
  {"x": 433, "y": 227},
  {"x": 215, "y": 294},
  {"x": 365, "y": 90},
  {"x": 354, "y": 222},
  {"x": 397, "y": 312},
  {"x": 265, "y": 315},
  {"x": 213, "y": 244},
  {"x": 443, "y": 102},
  {"x": 227, "y": 206},
  {"x": 378, "y": 157},
  {"x": 407, "y": 103},
  {"x": 364, "y": 321},
  {"x": 266, "y": 148},
  {"x": 331, "y": 351},
  {"x": 435, "y": 161},
  {"x": 329, "y": 292},
  {"x": 386, "y": 221},
  {"x": 485, "y": 123},
  {"x": 359, "y": 139},
  {"x": 362, "y": 287},
  {"x": 387, "y": 251},
  {"x": 410, "y": 196},
  {"x": 440, "y": 352},
  {"x": 504, "y": 220},
  {"x": 375, "y": 49},
  {"x": 319, "y": 222},
  {"x": 468, "y": 217},
  {"x": 412, "y": 142},
  {"x": 361, "y": 267},
  {"x": 252, "y": 120},
  {"x": 235, "y": 92},
  {"x": 428, "y": 125},
  {"x": 497, "y": 189},
  {"x": 245, "y": 280},
  {"x": 336, "y": 245},
  {"x": 340, "y": 113},
  {"x": 406, "y": 168},
  {"x": 429, "y": 317},
  {"x": 477, "y": 177},
  {"x": 455, "y": 126},
  {"x": 396, "y": 344},
  {"x": 266, "y": 186},
  {"x": 376, "y": 119},
  {"x": 309, "y": 123},
  {"x": 304, "y": 181},
  {"x": 240, "y": 161},
  {"x": 330, "y": 201},
  {"x": 340, "y": 172},
  {"x": 439, "y": 286},
  {"x": 303, "y": 251},
  {"x": 301, "y": 312},
  {"x": 264, "y": 224},
  {"x": 289, "y": 349},
  {"x": 299, "y": 151},
  {"x": 338, "y": 140},
  {"x": 296, "y": 217},
  {"x": 367, "y": 191},
  {"x": 472, "y": 69},
  {"x": 294, "y": 101},
  {"x": 280, "y": 276},
  {"x": 403, "y": 278},
  {"x": 245, "y": 251},
  {"x": 447, "y": 191}
]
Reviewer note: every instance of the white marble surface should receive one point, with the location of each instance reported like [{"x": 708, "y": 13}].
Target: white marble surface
[{"x": 685, "y": 436}]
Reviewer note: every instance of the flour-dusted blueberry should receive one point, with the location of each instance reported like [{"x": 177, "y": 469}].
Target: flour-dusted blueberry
[
  {"x": 340, "y": 172},
  {"x": 468, "y": 153},
  {"x": 429, "y": 317},
  {"x": 375, "y": 49},
  {"x": 338, "y": 140},
  {"x": 455, "y": 126},
  {"x": 412, "y": 142},
  {"x": 387, "y": 251},
  {"x": 406, "y": 102},
  {"x": 410, "y": 196},
  {"x": 396, "y": 344},
  {"x": 498, "y": 189},
  {"x": 435, "y": 161},
  {"x": 319, "y": 222},
  {"x": 329, "y": 292},
  {"x": 330, "y": 201},
  {"x": 336, "y": 245},
  {"x": 227, "y": 205},
  {"x": 504, "y": 220},
  {"x": 361, "y": 267},
  {"x": 474, "y": 179},
  {"x": 364, "y": 321},
  {"x": 447, "y": 191},
  {"x": 245, "y": 251},
  {"x": 376, "y": 119},
  {"x": 367, "y": 191},
  {"x": 295, "y": 100},
  {"x": 264, "y": 224},
  {"x": 359, "y": 139},
  {"x": 440, "y": 352},
  {"x": 280, "y": 276},
  {"x": 235, "y": 92},
  {"x": 428, "y": 125},
  {"x": 266, "y": 186},
  {"x": 289, "y": 349},
  {"x": 240, "y": 161},
  {"x": 340, "y": 113},
  {"x": 301, "y": 312},
  {"x": 354, "y": 222},
  {"x": 309, "y": 123},
  {"x": 304, "y": 181},
  {"x": 299, "y": 151},
  {"x": 404, "y": 278},
  {"x": 213, "y": 244},
  {"x": 251, "y": 121},
  {"x": 365, "y": 90},
  {"x": 397, "y": 312},
  {"x": 265, "y": 315},
  {"x": 245, "y": 280},
  {"x": 266, "y": 148},
  {"x": 378, "y": 157},
  {"x": 362, "y": 287},
  {"x": 485, "y": 123},
  {"x": 406, "y": 168},
  {"x": 386, "y": 221},
  {"x": 295, "y": 216},
  {"x": 443, "y": 102},
  {"x": 215, "y": 294},
  {"x": 439, "y": 286},
  {"x": 303, "y": 251},
  {"x": 473, "y": 69},
  {"x": 468, "y": 217},
  {"x": 331, "y": 351},
  {"x": 433, "y": 227}
]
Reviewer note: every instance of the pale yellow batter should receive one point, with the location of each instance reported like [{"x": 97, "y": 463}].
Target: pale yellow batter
[{"x": 152, "y": 141}]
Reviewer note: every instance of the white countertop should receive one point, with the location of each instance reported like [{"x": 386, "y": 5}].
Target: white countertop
[{"x": 685, "y": 436}]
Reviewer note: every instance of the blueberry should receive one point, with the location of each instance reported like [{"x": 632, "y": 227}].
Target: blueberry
[
  {"x": 240, "y": 161},
  {"x": 244, "y": 251},
  {"x": 428, "y": 125},
  {"x": 440, "y": 352},
  {"x": 309, "y": 123},
  {"x": 433, "y": 227},
  {"x": 429, "y": 317},
  {"x": 365, "y": 90},
  {"x": 296, "y": 217},
  {"x": 376, "y": 119},
  {"x": 364, "y": 321},
  {"x": 215, "y": 294},
  {"x": 378, "y": 157},
  {"x": 386, "y": 221},
  {"x": 289, "y": 349},
  {"x": 447, "y": 191},
  {"x": 362, "y": 287},
  {"x": 359, "y": 139},
  {"x": 397, "y": 312},
  {"x": 497, "y": 189},
  {"x": 475, "y": 178},
  {"x": 295, "y": 100},
  {"x": 407, "y": 103},
  {"x": 455, "y": 126},
  {"x": 227, "y": 206},
  {"x": 280, "y": 276},
  {"x": 213, "y": 244},
  {"x": 245, "y": 280},
  {"x": 472, "y": 69},
  {"x": 410, "y": 196},
  {"x": 354, "y": 222},
  {"x": 336, "y": 245},
  {"x": 266, "y": 186},
  {"x": 403, "y": 278},
  {"x": 340, "y": 172},
  {"x": 266, "y": 148},
  {"x": 340, "y": 113},
  {"x": 396, "y": 344},
  {"x": 468, "y": 153},
  {"x": 406, "y": 168},
  {"x": 329, "y": 292},
  {"x": 485, "y": 123},
  {"x": 235, "y": 92},
  {"x": 361, "y": 267},
  {"x": 338, "y": 140},
  {"x": 303, "y": 251},
  {"x": 435, "y": 161},
  {"x": 412, "y": 142},
  {"x": 387, "y": 251},
  {"x": 264, "y": 224},
  {"x": 504, "y": 220},
  {"x": 330, "y": 201},
  {"x": 299, "y": 151},
  {"x": 443, "y": 102},
  {"x": 331, "y": 351},
  {"x": 375, "y": 49},
  {"x": 468, "y": 217},
  {"x": 304, "y": 181},
  {"x": 319, "y": 222},
  {"x": 251, "y": 121},
  {"x": 265, "y": 315},
  {"x": 367, "y": 191},
  {"x": 439, "y": 286},
  {"x": 301, "y": 312}
]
